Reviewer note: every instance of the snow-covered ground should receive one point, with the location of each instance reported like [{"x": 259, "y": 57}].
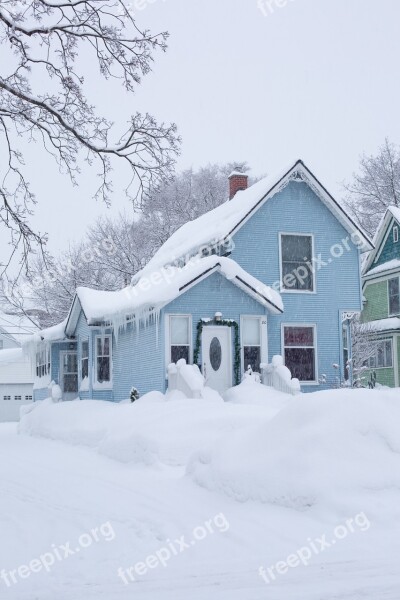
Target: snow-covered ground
[{"x": 307, "y": 488}]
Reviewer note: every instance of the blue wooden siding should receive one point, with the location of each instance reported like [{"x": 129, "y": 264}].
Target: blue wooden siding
[
  {"x": 139, "y": 356},
  {"x": 391, "y": 250},
  {"x": 297, "y": 209}
]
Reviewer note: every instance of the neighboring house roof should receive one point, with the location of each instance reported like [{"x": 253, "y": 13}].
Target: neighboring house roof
[
  {"x": 225, "y": 220},
  {"x": 16, "y": 328},
  {"x": 390, "y": 265},
  {"x": 15, "y": 367},
  {"x": 390, "y": 324},
  {"x": 392, "y": 212},
  {"x": 151, "y": 293}
]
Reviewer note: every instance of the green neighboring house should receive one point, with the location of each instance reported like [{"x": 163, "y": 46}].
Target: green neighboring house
[{"x": 381, "y": 287}]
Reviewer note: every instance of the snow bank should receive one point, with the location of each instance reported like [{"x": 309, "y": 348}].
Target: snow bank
[
  {"x": 328, "y": 449},
  {"x": 156, "y": 429}
]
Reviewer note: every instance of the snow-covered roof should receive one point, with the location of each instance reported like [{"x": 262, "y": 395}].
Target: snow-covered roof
[
  {"x": 392, "y": 212},
  {"x": 223, "y": 221},
  {"x": 391, "y": 324},
  {"x": 153, "y": 292},
  {"x": 16, "y": 327},
  {"x": 51, "y": 334},
  {"x": 390, "y": 265}
]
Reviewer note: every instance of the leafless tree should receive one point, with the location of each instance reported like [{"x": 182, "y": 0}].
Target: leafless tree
[
  {"x": 375, "y": 187},
  {"x": 363, "y": 348},
  {"x": 43, "y": 98}
]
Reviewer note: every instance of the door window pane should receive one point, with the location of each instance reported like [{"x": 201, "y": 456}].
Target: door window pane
[{"x": 215, "y": 354}]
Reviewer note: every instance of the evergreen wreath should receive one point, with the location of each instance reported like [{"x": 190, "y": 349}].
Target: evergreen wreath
[{"x": 222, "y": 323}]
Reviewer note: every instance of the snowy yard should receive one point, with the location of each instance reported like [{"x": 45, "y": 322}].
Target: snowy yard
[{"x": 191, "y": 498}]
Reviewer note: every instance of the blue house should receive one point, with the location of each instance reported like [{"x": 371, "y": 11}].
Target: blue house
[{"x": 275, "y": 270}]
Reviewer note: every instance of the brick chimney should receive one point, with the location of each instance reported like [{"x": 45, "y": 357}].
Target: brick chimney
[{"x": 237, "y": 181}]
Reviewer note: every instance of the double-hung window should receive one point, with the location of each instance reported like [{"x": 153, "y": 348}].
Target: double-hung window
[
  {"x": 85, "y": 359},
  {"x": 43, "y": 361},
  {"x": 300, "y": 351},
  {"x": 179, "y": 331},
  {"x": 382, "y": 358},
  {"x": 296, "y": 263},
  {"x": 394, "y": 296},
  {"x": 251, "y": 342},
  {"x": 103, "y": 358},
  {"x": 345, "y": 337}
]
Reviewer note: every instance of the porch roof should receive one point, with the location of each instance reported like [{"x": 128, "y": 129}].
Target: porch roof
[{"x": 157, "y": 289}]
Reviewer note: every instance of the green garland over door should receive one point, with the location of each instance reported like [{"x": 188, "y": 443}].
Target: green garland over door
[{"x": 222, "y": 323}]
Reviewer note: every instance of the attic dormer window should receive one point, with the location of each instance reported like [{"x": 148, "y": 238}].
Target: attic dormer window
[{"x": 395, "y": 234}]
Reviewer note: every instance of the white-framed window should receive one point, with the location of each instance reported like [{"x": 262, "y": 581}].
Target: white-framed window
[
  {"x": 251, "y": 343},
  {"x": 28, "y": 398},
  {"x": 43, "y": 361},
  {"x": 345, "y": 338},
  {"x": 383, "y": 356},
  {"x": 18, "y": 398},
  {"x": 300, "y": 351},
  {"x": 395, "y": 234},
  {"x": 296, "y": 255},
  {"x": 394, "y": 296},
  {"x": 84, "y": 359},
  {"x": 103, "y": 358},
  {"x": 6, "y": 398},
  {"x": 180, "y": 338}
]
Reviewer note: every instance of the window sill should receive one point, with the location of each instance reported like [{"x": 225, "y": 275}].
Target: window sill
[
  {"x": 304, "y": 292},
  {"x": 103, "y": 386}
]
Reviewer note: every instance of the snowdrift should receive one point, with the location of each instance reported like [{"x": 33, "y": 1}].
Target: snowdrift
[
  {"x": 338, "y": 448},
  {"x": 156, "y": 429}
]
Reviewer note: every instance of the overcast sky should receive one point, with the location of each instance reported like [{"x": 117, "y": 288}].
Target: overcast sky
[{"x": 317, "y": 80}]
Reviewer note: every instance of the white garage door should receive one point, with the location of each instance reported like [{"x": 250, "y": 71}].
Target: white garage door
[{"x": 12, "y": 397}]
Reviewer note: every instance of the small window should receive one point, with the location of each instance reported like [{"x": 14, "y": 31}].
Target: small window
[
  {"x": 43, "y": 361},
  {"x": 6, "y": 398},
  {"x": 103, "y": 358},
  {"x": 251, "y": 341},
  {"x": 18, "y": 398},
  {"x": 179, "y": 338},
  {"x": 345, "y": 352},
  {"x": 296, "y": 256},
  {"x": 395, "y": 234},
  {"x": 85, "y": 359},
  {"x": 382, "y": 358},
  {"x": 394, "y": 296},
  {"x": 28, "y": 398},
  {"x": 299, "y": 351}
]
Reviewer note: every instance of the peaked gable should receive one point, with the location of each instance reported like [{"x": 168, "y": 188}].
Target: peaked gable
[
  {"x": 218, "y": 225},
  {"x": 386, "y": 255}
]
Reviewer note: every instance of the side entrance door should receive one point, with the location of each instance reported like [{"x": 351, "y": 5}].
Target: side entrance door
[
  {"x": 69, "y": 375},
  {"x": 217, "y": 357}
]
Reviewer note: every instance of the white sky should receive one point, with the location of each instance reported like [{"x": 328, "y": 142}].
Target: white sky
[{"x": 317, "y": 80}]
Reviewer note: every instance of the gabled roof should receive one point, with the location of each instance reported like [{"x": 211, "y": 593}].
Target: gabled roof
[
  {"x": 160, "y": 288},
  {"x": 392, "y": 212},
  {"x": 222, "y": 222}
]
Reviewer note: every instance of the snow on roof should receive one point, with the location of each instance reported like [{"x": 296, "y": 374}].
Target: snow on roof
[
  {"x": 395, "y": 210},
  {"x": 153, "y": 292},
  {"x": 387, "y": 266},
  {"x": 15, "y": 367},
  {"x": 218, "y": 224},
  {"x": 51, "y": 334},
  {"x": 390, "y": 324},
  {"x": 17, "y": 327},
  {"x": 12, "y": 355},
  {"x": 391, "y": 212}
]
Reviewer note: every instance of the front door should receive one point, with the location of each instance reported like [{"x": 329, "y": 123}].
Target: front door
[
  {"x": 69, "y": 375},
  {"x": 217, "y": 357}
]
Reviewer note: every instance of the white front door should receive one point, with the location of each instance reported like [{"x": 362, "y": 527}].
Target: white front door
[{"x": 217, "y": 357}]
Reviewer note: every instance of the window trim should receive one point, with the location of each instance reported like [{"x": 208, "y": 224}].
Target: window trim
[
  {"x": 105, "y": 384},
  {"x": 391, "y": 340},
  {"x": 390, "y": 314},
  {"x": 83, "y": 341},
  {"x": 395, "y": 234},
  {"x": 168, "y": 336},
  {"x": 309, "y": 326},
  {"x": 263, "y": 337},
  {"x": 283, "y": 290}
]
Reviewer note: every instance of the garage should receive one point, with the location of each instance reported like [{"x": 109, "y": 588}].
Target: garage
[{"x": 16, "y": 383}]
